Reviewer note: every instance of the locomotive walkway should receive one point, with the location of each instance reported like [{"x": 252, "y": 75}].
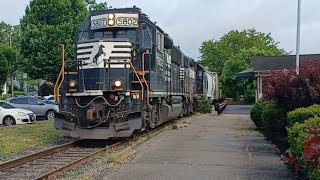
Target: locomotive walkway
[{"x": 211, "y": 147}]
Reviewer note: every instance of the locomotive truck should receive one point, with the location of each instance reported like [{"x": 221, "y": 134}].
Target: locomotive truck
[{"x": 130, "y": 76}]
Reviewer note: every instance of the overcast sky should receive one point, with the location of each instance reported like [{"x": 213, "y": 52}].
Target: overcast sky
[{"x": 191, "y": 22}]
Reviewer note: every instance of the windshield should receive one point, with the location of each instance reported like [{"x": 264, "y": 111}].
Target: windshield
[
  {"x": 129, "y": 33},
  {"x": 44, "y": 100},
  {"x": 6, "y": 105}
]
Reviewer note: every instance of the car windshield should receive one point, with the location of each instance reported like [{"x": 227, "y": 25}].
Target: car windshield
[
  {"x": 44, "y": 100},
  {"x": 6, "y": 105}
]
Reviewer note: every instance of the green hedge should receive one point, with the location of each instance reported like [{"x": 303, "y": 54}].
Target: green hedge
[
  {"x": 315, "y": 174},
  {"x": 256, "y": 112},
  {"x": 301, "y": 114},
  {"x": 19, "y": 93},
  {"x": 4, "y": 97},
  {"x": 265, "y": 114},
  {"x": 298, "y": 134}
]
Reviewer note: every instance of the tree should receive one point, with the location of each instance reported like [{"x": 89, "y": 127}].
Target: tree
[
  {"x": 235, "y": 64},
  {"x": 45, "y": 26},
  {"x": 233, "y": 53},
  {"x": 9, "y": 63},
  {"x": 93, "y": 5},
  {"x": 7, "y": 31},
  {"x": 10, "y": 36},
  {"x": 3, "y": 71},
  {"x": 214, "y": 53}
]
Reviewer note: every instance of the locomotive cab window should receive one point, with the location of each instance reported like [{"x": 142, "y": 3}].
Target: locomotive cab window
[
  {"x": 130, "y": 34},
  {"x": 97, "y": 34},
  {"x": 160, "y": 42},
  {"x": 146, "y": 40},
  {"x": 83, "y": 35},
  {"x": 200, "y": 74}
]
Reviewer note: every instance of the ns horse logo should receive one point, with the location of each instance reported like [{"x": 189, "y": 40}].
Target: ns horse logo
[{"x": 99, "y": 54}]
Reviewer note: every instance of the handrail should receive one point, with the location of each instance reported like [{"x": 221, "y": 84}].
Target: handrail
[
  {"x": 60, "y": 78},
  {"x": 191, "y": 94},
  {"x": 135, "y": 72},
  {"x": 187, "y": 83},
  {"x": 143, "y": 77}
]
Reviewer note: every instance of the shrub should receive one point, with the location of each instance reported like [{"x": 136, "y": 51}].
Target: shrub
[
  {"x": 204, "y": 106},
  {"x": 19, "y": 93},
  {"x": 291, "y": 90},
  {"x": 4, "y": 97},
  {"x": 249, "y": 96},
  {"x": 309, "y": 160},
  {"x": 301, "y": 114},
  {"x": 272, "y": 117},
  {"x": 266, "y": 115},
  {"x": 256, "y": 112},
  {"x": 298, "y": 134},
  {"x": 315, "y": 174}
]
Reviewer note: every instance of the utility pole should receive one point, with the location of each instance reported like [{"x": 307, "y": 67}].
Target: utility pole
[
  {"x": 11, "y": 78},
  {"x": 298, "y": 38}
]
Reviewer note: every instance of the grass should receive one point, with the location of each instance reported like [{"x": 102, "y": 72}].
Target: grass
[{"x": 18, "y": 138}]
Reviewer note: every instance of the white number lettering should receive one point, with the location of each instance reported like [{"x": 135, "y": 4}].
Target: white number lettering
[
  {"x": 122, "y": 21},
  {"x": 98, "y": 23}
]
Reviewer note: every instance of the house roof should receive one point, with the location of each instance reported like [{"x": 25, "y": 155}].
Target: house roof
[
  {"x": 268, "y": 63},
  {"x": 248, "y": 73}
]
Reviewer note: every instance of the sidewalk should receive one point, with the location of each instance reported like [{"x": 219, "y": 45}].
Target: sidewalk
[{"x": 211, "y": 147}]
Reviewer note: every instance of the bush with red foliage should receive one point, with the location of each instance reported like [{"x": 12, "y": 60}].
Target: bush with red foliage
[
  {"x": 309, "y": 161},
  {"x": 291, "y": 90},
  {"x": 292, "y": 162},
  {"x": 311, "y": 151}
]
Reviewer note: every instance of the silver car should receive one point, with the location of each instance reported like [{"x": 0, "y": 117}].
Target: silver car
[{"x": 37, "y": 106}]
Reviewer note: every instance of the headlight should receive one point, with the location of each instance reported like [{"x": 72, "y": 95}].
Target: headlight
[
  {"x": 111, "y": 16},
  {"x": 111, "y": 22},
  {"x": 117, "y": 83},
  {"x": 72, "y": 84},
  {"x": 22, "y": 114}
]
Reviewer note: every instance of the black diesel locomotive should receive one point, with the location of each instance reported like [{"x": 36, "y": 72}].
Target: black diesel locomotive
[{"x": 129, "y": 77}]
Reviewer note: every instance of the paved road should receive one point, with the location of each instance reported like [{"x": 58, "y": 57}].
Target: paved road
[
  {"x": 211, "y": 147},
  {"x": 238, "y": 109}
]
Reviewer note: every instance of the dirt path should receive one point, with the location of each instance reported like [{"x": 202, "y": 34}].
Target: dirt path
[{"x": 211, "y": 147}]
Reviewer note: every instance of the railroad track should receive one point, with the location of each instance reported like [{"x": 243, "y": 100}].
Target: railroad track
[{"x": 56, "y": 161}]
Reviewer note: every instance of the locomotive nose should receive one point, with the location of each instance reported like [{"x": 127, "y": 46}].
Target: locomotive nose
[{"x": 105, "y": 64}]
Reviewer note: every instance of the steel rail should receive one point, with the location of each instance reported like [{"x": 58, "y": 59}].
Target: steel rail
[
  {"x": 34, "y": 156},
  {"x": 75, "y": 163}
]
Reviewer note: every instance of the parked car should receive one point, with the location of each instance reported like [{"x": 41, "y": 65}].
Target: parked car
[
  {"x": 10, "y": 115},
  {"x": 45, "y": 100},
  {"x": 40, "y": 108}
]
